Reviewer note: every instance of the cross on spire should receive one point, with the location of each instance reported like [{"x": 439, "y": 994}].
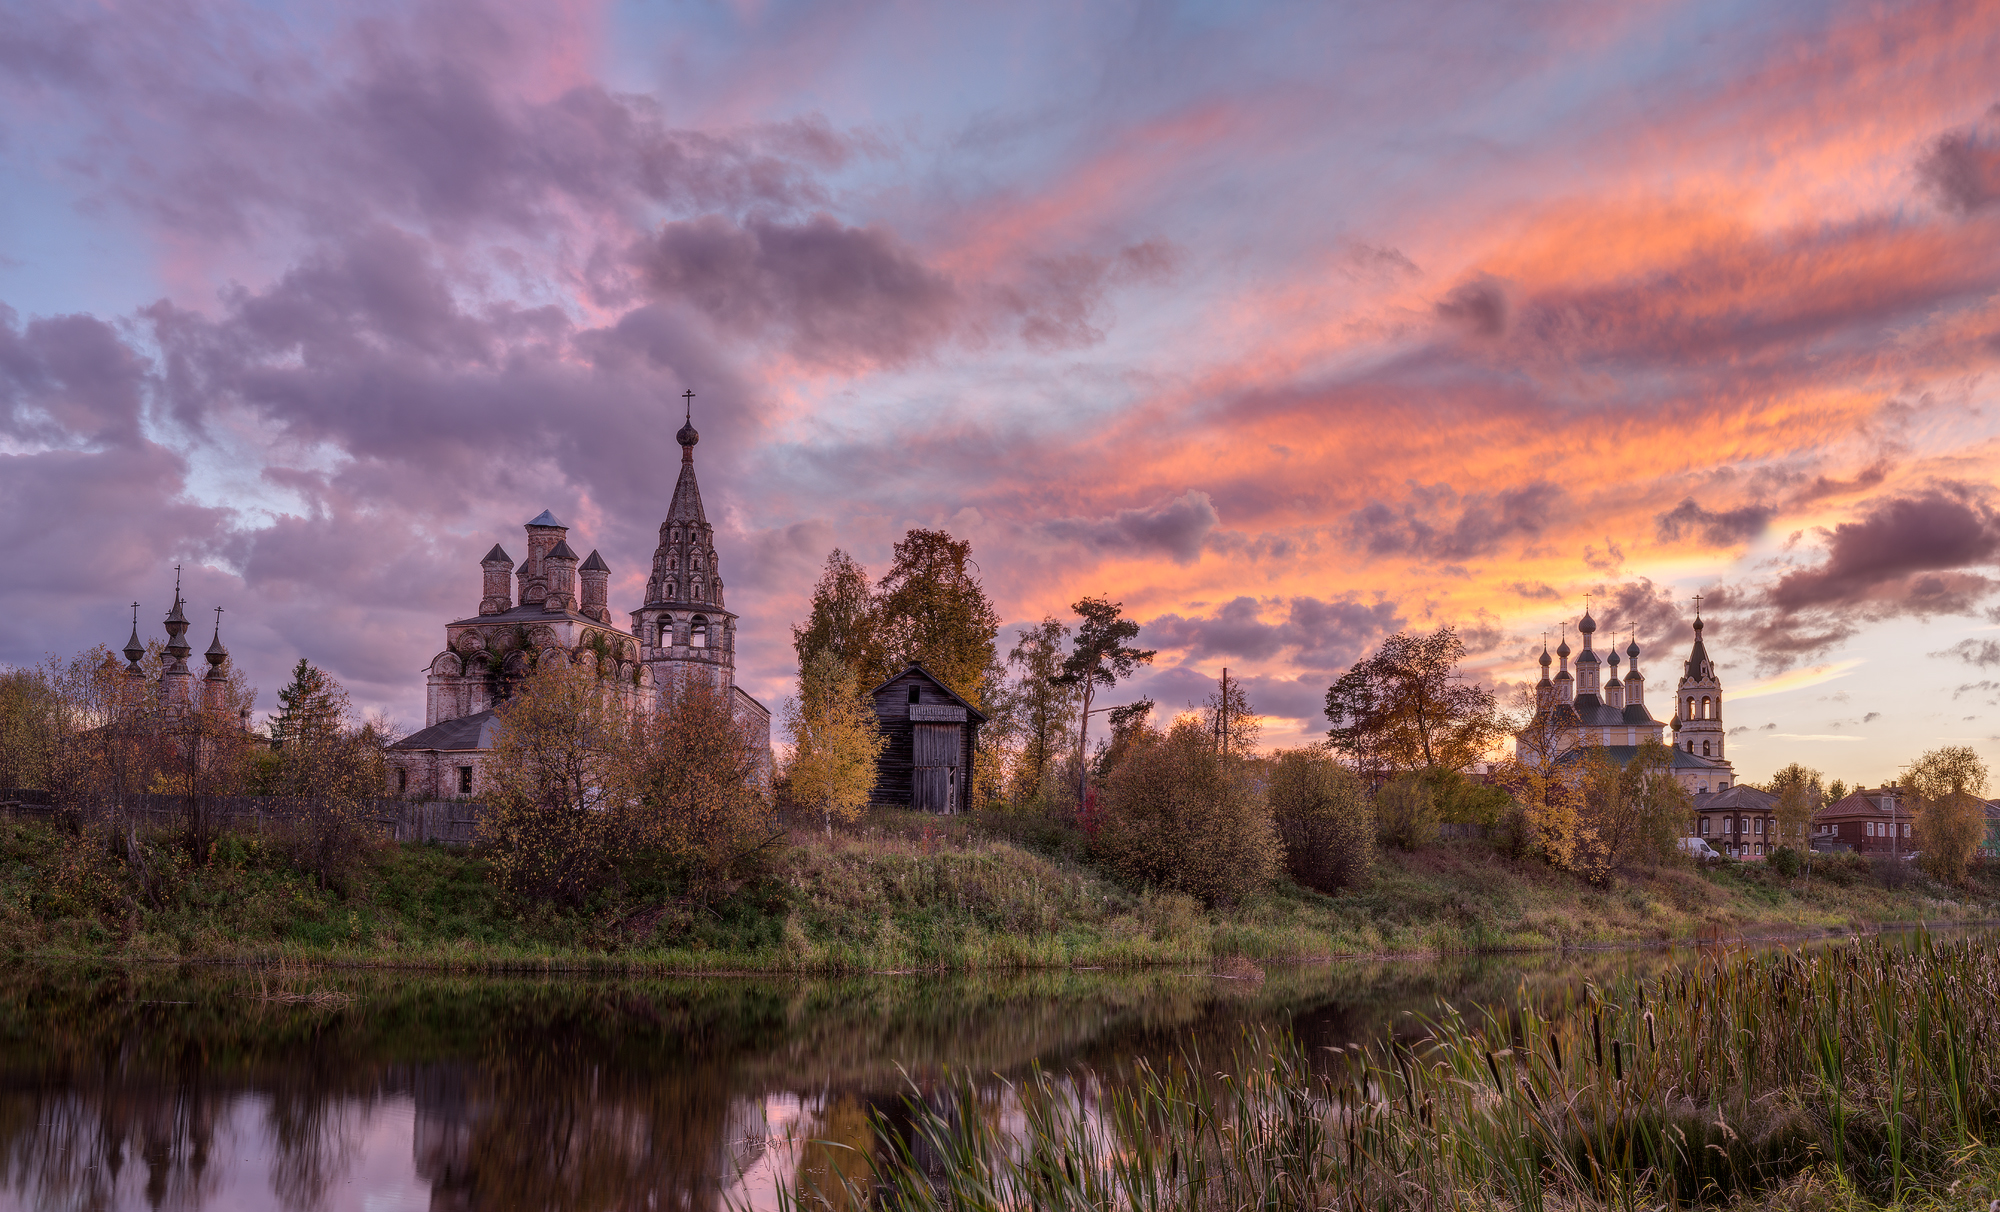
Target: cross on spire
[
  {"x": 135, "y": 616},
  {"x": 1697, "y": 605},
  {"x": 688, "y": 397},
  {"x": 218, "y": 622}
]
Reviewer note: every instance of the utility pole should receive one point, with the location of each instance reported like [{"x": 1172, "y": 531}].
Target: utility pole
[{"x": 1222, "y": 716}]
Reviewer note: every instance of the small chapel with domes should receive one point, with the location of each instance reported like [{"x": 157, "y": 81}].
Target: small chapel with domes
[
  {"x": 1596, "y": 707},
  {"x": 554, "y": 610}
]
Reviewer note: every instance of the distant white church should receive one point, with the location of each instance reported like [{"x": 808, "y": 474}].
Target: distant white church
[{"x": 1574, "y": 712}]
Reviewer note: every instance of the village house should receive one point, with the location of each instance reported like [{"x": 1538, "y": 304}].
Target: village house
[
  {"x": 1740, "y": 822},
  {"x": 1870, "y": 820},
  {"x": 932, "y": 733}
]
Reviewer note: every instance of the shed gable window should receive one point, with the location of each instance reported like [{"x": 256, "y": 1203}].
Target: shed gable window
[{"x": 916, "y": 693}]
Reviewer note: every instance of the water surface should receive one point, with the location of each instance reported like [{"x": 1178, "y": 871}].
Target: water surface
[{"x": 204, "y": 1088}]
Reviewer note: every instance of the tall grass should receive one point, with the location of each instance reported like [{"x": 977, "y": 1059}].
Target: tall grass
[{"x": 1871, "y": 1070}]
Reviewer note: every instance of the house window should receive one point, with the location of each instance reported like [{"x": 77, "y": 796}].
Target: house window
[
  {"x": 1760, "y": 824},
  {"x": 402, "y": 780},
  {"x": 1723, "y": 785},
  {"x": 1906, "y": 831},
  {"x": 916, "y": 694},
  {"x": 465, "y": 780},
  {"x": 1704, "y": 826},
  {"x": 1871, "y": 828},
  {"x": 698, "y": 633}
]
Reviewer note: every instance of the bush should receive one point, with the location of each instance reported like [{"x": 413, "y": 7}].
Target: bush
[
  {"x": 1323, "y": 817},
  {"x": 1181, "y": 818},
  {"x": 1786, "y": 862},
  {"x": 1406, "y": 813}
]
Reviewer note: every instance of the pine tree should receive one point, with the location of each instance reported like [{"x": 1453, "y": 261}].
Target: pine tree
[{"x": 313, "y": 701}]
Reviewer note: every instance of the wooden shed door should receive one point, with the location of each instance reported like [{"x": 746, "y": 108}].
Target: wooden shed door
[{"x": 937, "y": 767}]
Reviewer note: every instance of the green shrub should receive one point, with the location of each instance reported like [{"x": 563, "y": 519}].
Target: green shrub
[
  {"x": 1323, "y": 817},
  {"x": 1406, "y": 813},
  {"x": 1786, "y": 862},
  {"x": 1184, "y": 819}
]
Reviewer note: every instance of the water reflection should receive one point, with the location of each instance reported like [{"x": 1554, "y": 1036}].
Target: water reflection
[{"x": 191, "y": 1089}]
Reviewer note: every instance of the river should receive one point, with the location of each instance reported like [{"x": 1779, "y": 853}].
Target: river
[{"x": 164, "y": 1087}]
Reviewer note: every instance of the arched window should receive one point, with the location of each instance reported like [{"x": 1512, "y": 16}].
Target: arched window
[
  {"x": 1704, "y": 749},
  {"x": 1690, "y": 710},
  {"x": 698, "y": 633},
  {"x": 1704, "y": 707},
  {"x": 669, "y": 595},
  {"x": 695, "y": 594},
  {"x": 1690, "y": 746},
  {"x": 673, "y": 565}
]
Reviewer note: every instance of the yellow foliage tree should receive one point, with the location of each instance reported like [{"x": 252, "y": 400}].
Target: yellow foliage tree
[
  {"x": 1951, "y": 817},
  {"x": 835, "y": 740}
]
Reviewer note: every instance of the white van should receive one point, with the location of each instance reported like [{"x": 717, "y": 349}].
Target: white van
[{"x": 1699, "y": 848}]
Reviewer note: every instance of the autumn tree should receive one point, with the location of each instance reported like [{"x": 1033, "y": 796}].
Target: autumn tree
[
  {"x": 102, "y": 733},
  {"x": 1948, "y": 784},
  {"x": 331, "y": 765},
  {"x": 1799, "y": 796},
  {"x": 934, "y": 611},
  {"x": 690, "y": 782},
  {"x": 27, "y": 717},
  {"x": 545, "y": 832},
  {"x": 836, "y": 740},
  {"x": 1044, "y": 705},
  {"x": 1548, "y": 788},
  {"x": 1635, "y": 813},
  {"x": 1837, "y": 791},
  {"x": 1324, "y": 819},
  {"x": 1230, "y": 718},
  {"x": 845, "y": 620},
  {"x": 1101, "y": 658},
  {"x": 1406, "y": 812},
  {"x": 1182, "y": 819},
  {"x": 1406, "y": 706}
]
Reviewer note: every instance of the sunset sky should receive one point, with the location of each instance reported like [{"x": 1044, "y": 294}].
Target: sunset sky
[{"x": 1289, "y": 326}]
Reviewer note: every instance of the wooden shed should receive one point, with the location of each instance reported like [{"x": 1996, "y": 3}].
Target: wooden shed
[{"x": 932, "y": 734}]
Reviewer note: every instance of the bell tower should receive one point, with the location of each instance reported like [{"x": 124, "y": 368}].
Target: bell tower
[
  {"x": 683, "y": 628},
  {"x": 1698, "y": 701}
]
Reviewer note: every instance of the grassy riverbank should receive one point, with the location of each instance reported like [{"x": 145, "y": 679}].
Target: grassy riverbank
[
  {"x": 896, "y": 893},
  {"x": 1858, "y": 1078}
]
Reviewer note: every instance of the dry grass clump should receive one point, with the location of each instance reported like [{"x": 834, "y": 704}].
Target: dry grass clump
[{"x": 1852, "y": 1078}]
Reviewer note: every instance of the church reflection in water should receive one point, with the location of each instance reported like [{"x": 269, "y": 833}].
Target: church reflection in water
[{"x": 185, "y": 1089}]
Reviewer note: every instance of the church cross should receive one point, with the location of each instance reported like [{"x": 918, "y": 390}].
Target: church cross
[
  {"x": 1697, "y": 605},
  {"x": 135, "y": 615},
  {"x": 688, "y": 396}
]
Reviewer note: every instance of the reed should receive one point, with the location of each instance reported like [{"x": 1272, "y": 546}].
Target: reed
[{"x": 1869, "y": 1074}]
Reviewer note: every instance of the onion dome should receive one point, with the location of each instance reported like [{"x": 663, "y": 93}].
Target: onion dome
[
  {"x": 688, "y": 435},
  {"x": 133, "y": 648},
  {"x": 1632, "y": 650},
  {"x": 216, "y": 653},
  {"x": 1588, "y": 625},
  {"x": 1562, "y": 649}
]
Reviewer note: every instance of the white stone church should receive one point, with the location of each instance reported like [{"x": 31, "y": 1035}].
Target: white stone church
[{"x": 555, "y": 612}]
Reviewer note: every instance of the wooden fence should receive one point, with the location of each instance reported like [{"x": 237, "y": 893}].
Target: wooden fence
[{"x": 453, "y": 822}]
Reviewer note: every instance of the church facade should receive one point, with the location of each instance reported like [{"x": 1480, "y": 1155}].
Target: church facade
[
  {"x": 1598, "y": 708},
  {"x": 552, "y": 611}
]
